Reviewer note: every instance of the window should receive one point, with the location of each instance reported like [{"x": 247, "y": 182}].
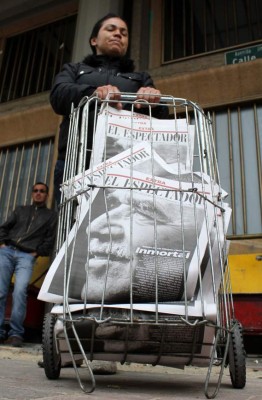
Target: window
[
  {"x": 199, "y": 26},
  {"x": 237, "y": 132},
  {"x": 32, "y": 59},
  {"x": 238, "y": 138},
  {"x": 21, "y": 167}
]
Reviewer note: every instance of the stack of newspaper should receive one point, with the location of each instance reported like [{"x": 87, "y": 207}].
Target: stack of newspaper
[{"x": 150, "y": 230}]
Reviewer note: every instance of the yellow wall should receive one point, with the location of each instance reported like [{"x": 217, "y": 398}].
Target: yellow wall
[{"x": 245, "y": 262}]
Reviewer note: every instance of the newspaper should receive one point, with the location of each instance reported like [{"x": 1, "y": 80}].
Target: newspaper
[
  {"x": 192, "y": 309},
  {"x": 140, "y": 158},
  {"x": 117, "y": 130},
  {"x": 149, "y": 239},
  {"x": 170, "y": 341},
  {"x": 136, "y": 240},
  {"x": 214, "y": 264}
]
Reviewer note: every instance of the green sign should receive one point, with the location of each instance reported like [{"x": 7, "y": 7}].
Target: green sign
[{"x": 244, "y": 55}]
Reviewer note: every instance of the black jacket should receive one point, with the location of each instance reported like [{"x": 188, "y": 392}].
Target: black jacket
[
  {"x": 31, "y": 229},
  {"x": 77, "y": 80}
]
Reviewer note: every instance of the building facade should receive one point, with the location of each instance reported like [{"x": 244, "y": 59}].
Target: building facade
[{"x": 207, "y": 51}]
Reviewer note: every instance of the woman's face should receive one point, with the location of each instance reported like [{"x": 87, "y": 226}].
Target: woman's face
[{"x": 112, "y": 38}]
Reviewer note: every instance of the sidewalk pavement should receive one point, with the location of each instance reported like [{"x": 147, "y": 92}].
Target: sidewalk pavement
[
  {"x": 21, "y": 378},
  {"x": 34, "y": 351}
]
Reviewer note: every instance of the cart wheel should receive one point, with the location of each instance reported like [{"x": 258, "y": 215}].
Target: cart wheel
[
  {"x": 237, "y": 357},
  {"x": 51, "y": 359}
]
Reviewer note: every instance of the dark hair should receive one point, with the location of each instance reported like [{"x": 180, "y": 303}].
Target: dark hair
[
  {"x": 97, "y": 27},
  {"x": 41, "y": 183}
]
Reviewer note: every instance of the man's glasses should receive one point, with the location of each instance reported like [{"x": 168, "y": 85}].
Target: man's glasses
[{"x": 39, "y": 190}]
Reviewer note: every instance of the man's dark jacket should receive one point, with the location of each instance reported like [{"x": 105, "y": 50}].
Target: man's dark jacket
[
  {"x": 31, "y": 229},
  {"x": 77, "y": 80}
]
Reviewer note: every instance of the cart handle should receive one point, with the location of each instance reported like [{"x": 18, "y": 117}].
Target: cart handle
[
  {"x": 164, "y": 99},
  {"x": 131, "y": 97}
]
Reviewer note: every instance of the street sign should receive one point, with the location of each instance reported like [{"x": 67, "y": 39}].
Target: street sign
[{"x": 243, "y": 55}]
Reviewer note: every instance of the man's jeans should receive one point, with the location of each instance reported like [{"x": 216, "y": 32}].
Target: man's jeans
[{"x": 13, "y": 261}]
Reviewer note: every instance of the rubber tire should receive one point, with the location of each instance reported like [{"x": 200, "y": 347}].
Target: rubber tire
[
  {"x": 237, "y": 357},
  {"x": 51, "y": 359}
]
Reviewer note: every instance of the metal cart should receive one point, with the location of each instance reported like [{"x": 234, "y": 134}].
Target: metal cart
[{"x": 162, "y": 296}]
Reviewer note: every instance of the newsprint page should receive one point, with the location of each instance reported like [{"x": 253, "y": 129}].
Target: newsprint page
[{"x": 148, "y": 232}]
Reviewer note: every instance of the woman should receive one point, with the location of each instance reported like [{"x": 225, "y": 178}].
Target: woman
[{"x": 107, "y": 70}]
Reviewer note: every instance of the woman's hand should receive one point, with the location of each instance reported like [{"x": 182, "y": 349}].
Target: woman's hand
[
  {"x": 144, "y": 95},
  {"x": 148, "y": 94},
  {"x": 109, "y": 92}
]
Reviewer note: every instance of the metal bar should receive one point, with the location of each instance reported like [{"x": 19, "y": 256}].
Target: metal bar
[
  {"x": 40, "y": 42},
  {"x": 5, "y": 71},
  {"x": 205, "y": 26},
  {"x": 161, "y": 345},
  {"x": 213, "y": 19},
  {"x": 125, "y": 353},
  {"x": 258, "y": 11},
  {"x": 27, "y": 67},
  {"x": 226, "y": 23},
  {"x": 184, "y": 29},
  {"x": 246, "y": 5},
  {"x": 18, "y": 69},
  {"x": 60, "y": 44},
  {"x": 131, "y": 226},
  {"x": 63, "y": 49},
  {"x": 259, "y": 155},
  {"x": 82, "y": 386},
  {"x": 231, "y": 170},
  {"x": 191, "y": 5},
  {"x": 242, "y": 169},
  {"x": 14, "y": 71},
  {"x": 19, "y": 173},
  {"x": 28, "y": 176},
  {"x": 47, "y": 46},
  {"x": 215, "y": 392},
  {"x": 37, "y": 161},
  {"x": 33, "y": 60},
  {"x": 173, "y": 44},
  {"x": 4, "y": 168},
  {"x": 48, "y": 159},
  {"x": 235, "y": 21},
  {"x": 12, "y": 174},
  {"x": 214, "y": 138}
]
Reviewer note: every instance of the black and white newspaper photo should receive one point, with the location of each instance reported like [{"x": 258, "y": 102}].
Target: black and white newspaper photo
[
  {"x": 119, "y": 130},
  {"x": 215, "y": 258},
  {"x": 148, "y": 235},
  {"x": 144, "y": 340},
  {"x": 140, "y": 158},
  {"x": 135, "y": 240}
]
